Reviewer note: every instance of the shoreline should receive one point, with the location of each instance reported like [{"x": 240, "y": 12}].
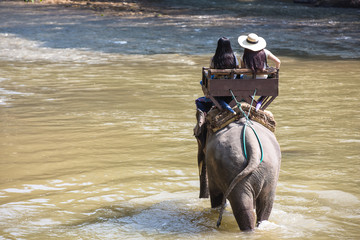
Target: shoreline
[
  {"x": 140, "y": 8},
  {"x": 143, "y": 7},
  {"x": 125, "y": 8}
]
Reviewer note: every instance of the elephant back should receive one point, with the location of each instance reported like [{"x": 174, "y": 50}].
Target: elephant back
[{"x": 217, "y": 119}]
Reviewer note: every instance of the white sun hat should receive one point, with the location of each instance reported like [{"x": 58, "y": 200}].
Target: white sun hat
[{"x": 252, "y": 42}]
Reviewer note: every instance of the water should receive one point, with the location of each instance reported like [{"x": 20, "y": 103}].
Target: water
[
  {"x": 96, "y": 118},
  {"x": 192, "y": 28}
]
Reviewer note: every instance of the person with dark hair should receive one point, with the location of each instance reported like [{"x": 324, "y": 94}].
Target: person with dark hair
[
  {"x": 224, "y": 58},
  {"x": 255, "y": 57}
]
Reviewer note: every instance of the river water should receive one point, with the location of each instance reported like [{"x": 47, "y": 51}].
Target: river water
[{"x": 97, "y": 112}]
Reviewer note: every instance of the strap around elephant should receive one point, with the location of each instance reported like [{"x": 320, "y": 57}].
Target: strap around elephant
[{"x": 247, "y": 124}]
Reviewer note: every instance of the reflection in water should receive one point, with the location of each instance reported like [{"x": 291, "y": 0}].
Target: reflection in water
[{"x": 100, "y": 145}]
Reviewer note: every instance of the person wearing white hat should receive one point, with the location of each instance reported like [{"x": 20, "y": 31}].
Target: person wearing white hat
[{"x": 255, "y": 56}]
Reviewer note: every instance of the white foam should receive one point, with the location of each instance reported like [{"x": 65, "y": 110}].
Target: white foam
[{"x": 15, "y": 48}]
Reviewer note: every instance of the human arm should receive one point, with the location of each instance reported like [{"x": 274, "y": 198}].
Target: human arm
[{"x": 273, "y": 58}]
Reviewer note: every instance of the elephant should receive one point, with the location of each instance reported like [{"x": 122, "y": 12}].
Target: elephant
[{"x": 247, "y": 178}]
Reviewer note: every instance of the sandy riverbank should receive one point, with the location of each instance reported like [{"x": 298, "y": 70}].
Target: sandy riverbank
[
  {"x": 148, "y": 8},
  {"x": 117, "y": 7}
]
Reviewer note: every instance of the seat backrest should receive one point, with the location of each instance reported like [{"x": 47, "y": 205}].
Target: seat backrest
[{"x": 219, "y": 82}]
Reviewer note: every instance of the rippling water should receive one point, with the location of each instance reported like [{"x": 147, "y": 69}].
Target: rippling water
[
  {"x": 192, "y": 28},
  {"x": 96, "y": 118}
]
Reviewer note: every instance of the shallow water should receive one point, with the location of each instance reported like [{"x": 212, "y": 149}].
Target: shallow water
[
  {"x": 97, "y": 143},
  {"x": 192, "y": 28}
]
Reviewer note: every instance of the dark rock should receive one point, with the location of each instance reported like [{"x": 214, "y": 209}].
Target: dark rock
[
  {"x": 332, "y": 3},
  {"x": 305, "y": 1}
]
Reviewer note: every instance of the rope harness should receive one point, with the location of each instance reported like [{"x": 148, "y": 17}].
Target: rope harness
[
  {"x": 235, "y": 180},
  {"x": 247, "y": 124}
]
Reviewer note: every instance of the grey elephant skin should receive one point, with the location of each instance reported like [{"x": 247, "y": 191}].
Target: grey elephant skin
[{"x": 255, "y": 182}]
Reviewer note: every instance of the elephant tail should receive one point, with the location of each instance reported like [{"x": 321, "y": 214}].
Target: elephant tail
[{"x": 251, "y": 166}]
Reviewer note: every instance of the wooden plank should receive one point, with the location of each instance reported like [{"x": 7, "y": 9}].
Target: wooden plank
[
  {"x": 266, "y": 104},
  {"x": 212, "y": 71},
  {"x": 243, "y": 87},
  {"x": 217, "y": 104},
  {"x": 205, "y": 91}
]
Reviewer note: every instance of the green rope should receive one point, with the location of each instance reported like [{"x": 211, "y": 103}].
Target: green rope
[
  {"x": 257, "y": 137},
  {"x": 247, "y": 124},
  {"x": 239, "y": 105}
]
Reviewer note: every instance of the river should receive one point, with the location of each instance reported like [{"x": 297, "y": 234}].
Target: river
[{"x": 97, "y": 115}]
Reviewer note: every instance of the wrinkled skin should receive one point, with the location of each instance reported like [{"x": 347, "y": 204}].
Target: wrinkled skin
[
  {"x": 200, "y": 133},
  {"x": 225, "y": 159}
]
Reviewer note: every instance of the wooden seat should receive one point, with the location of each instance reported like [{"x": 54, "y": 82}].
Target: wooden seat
[{"x": 219, "y": 82}]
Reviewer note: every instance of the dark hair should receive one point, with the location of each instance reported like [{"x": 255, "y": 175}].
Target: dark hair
[
  {"x": 224, "y": 56},
  {"x": 254, "y": 60}
]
